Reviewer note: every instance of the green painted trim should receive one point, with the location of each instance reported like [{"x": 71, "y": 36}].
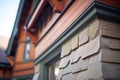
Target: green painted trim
[
  {"x": 24, "y": 77},
  {"x": 46, "y": 58},
  {"x": 15, "y": 27},
  {"x": 42, "y": 72},
  {"x": 94, "y": 10}
]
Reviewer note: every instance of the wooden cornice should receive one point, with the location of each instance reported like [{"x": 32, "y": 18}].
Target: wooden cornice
[{"x": 32, "y": 37}]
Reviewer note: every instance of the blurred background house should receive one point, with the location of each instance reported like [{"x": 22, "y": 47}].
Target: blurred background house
[{"x": 5, "y": 67}]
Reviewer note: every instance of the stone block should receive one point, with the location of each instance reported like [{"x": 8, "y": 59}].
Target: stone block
[
  {"x": 69, "y": 76},
  {"x": 59, "y": 76},
  {"x": 110, "y": 43},
  {"x": 90, "y": 48},
  {"x": 110, "y": 29},
  {"x": 94, "y": 72},
  {"x": 71, "y": 56},
  {"x": 110, "y": 56},
  {"x": 36, "y": 76},
  {"x": 87, "y": 50},
  {"x": 81, "y": 75},
  {"x": 64, "y": 62},
  {"x": 77, "y": 55},
  {"x": 94, "y": 29},
  {"x": 74, "y": 42},
  {"x": 80, "y": 66},
  {"x": 66, "y": 49},
  {"x": 69, "y": 68},
  {"x": 37, "y": 68},
  {"x": 95, "y": 58},
  {"x": 111, "y": 71},
  {"x": 84, "y": 36}
]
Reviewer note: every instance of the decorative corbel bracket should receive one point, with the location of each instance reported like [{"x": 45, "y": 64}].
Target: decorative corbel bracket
[{"x": 58, "y": 5}]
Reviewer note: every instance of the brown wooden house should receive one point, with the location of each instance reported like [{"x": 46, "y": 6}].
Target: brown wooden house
[
  {"x": 76, "y": 39},
  {"x": 66, "y": 40},
  {"x": 20, "y": 51}
]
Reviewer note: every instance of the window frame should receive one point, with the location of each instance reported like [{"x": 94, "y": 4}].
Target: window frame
[
  {"x": 45, "y": 60},
  {"x": 51, "y": 64},
  {"x": 26, "y": 43}
]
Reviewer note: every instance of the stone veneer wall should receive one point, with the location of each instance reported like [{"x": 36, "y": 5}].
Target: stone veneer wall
[
  {"x": 92, "y": 54},
  {"x": 36, "y": 72}
]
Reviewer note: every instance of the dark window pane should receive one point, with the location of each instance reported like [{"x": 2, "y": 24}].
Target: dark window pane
[{"x": 53, "y": 70}]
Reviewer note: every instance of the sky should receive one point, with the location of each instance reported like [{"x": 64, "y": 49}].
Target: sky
[{"x": 8, "y": 11}]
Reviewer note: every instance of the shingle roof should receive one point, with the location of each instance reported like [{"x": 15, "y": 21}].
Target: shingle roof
[{"x": 3, "y": 56}]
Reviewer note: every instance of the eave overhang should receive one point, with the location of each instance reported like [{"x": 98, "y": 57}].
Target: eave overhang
[{"x": 22, "y": 14}]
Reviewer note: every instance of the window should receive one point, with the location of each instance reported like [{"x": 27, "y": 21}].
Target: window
[
  {"x": 27, "y": 50},
  {"x": 53, "y": 69},
  {"x": 49, "y": 65}
]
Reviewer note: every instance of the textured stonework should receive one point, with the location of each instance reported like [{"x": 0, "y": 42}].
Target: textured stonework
[
  {"x": 60, "y": 74},
  {"x": 64, "y": 62},
  {"x": 36, "y": 76},
  {"x": 94, "y": 29},
  {"x": 37, "y": 68},
  {"x": 94, "y": 72},
  {"x": 80, "y": 66},
  {"x": 110, "y": 29},
  {"x": 111, "y": 43},
  {"x": 66, "y": 49},
  {"x": 110, "y": 50},
  {"x": 81, "y": 60},
  {"x": 96, "y": 58},
  {"x": 69, "y": 77},
  {"x": 81, "y": 75},
  {"x": 110, "y": 55},
  {"x": 74, "y": 42},
  {"x": 84, "y": 36},
  {"x": 87, "y": 49},
  {"x": 111, "y": 71},
  {"x": 76, "y": 56},
  {"x": 70, "y": 67},
  {"x": 90, "y": 48}
]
